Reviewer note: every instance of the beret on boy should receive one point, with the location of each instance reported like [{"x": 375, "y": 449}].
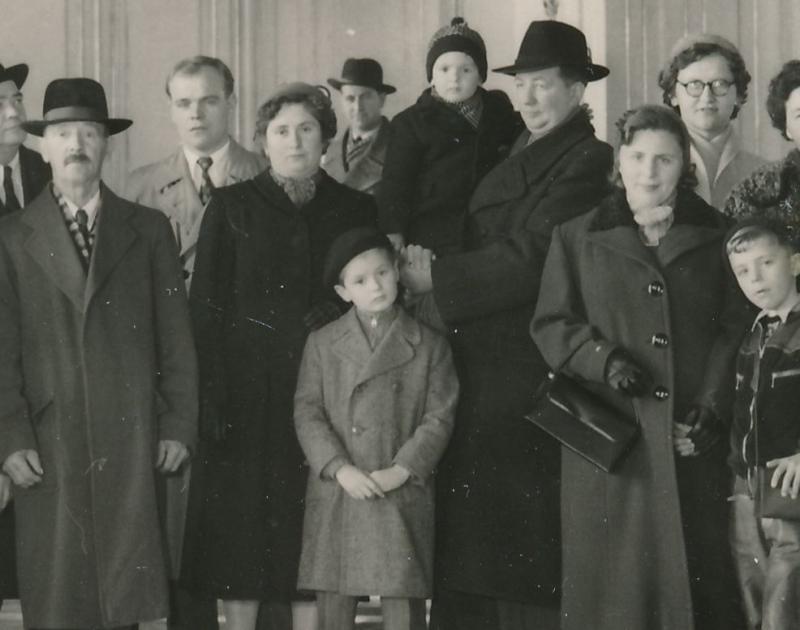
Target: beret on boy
[{"x": 347, "y": 246}]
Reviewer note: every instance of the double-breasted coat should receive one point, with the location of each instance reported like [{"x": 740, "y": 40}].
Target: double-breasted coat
[
  {"x": 363, "y": 173},
  {"x": 258, "y": 273},
  {"x": 646, "y": 548},
  {"x": 434, "y": 161},
  {"x": 35, "y": 175},
  {"x": 94, "y": 371},
  {"x": 373, "y": 408},
  {"x": 497, "y": 511}
]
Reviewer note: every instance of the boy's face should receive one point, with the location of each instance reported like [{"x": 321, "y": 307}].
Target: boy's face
[
  {"x": 766, "y": 273},
  {"x": 455, "y": 76},
  {"x": 369, "y": 281}
]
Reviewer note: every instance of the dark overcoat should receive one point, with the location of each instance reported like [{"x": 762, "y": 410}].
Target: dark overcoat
[
  {"x": 434, "y": 161},
  {"x": 373, "y": 408},
  {"x": 93, "y": 372},
  {"x": 646, "y": 547},
  {"x": 363, "y": 173},
  {"x": 35, "y": 174},
  {"x": 498, "y": 520},
  {"x": 258, "y": 273}
]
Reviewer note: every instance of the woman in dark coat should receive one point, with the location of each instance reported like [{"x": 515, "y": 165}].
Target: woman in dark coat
[
  {"x": 637, "y": 303},
  {"x": 257, "y": 292}
]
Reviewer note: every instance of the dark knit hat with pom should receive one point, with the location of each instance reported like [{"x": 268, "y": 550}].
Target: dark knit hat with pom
[{"x": 457, "y": 37}]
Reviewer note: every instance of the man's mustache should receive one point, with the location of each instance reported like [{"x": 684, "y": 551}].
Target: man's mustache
[{"x": 76, "y": 157}]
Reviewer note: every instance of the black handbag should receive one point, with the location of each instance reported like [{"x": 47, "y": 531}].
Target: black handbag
[
  {"x": 769, "y": 501},
  {"x": 583, "y": 422}
]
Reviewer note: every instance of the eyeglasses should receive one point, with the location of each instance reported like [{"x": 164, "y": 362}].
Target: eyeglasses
[{"x": 719, "y": 87}]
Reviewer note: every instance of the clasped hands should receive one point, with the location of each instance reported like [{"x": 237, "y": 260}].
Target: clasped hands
[
  {"x": 374, "y": 485},
  {"x": 25, "y": 469}
]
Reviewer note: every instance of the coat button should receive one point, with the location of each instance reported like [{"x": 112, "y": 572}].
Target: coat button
[
  {"x": 655, "y": 288},
  {"x": 659, "y": 340},
  {"x": 660, "y": 393}
]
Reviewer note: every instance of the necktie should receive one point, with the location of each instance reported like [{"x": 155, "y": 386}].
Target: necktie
[
  {"x": 206, "y": 185},
  {"x": 12, "y": 203},
  {"x": 82, "y": 219},
  {"x": 769, "y": 324},
  {"x": 356, "y": 147}
]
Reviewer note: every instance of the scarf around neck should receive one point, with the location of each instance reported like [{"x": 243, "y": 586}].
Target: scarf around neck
[{"x": 300, "y": 190}]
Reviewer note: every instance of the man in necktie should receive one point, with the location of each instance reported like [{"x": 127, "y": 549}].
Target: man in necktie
[
  {"x": 356, "y": 158},
  {"x": 98, "y": 380},
  {"x": 23, "y": 176},
  {"x": 201, "y": 99}
]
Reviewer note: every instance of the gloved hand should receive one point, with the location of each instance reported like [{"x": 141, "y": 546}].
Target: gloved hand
[
  {"x": 320, "y": 314},
  {"x": 706, "y": 428},
  {"x": 624, "y": 375}
]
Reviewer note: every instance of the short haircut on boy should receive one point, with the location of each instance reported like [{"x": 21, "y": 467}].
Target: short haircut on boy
[{"x": 746, "y": 232}]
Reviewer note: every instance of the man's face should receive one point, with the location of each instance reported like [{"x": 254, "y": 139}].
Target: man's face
[
  {"x": 200, "y": 109},
  {"x": 75, "y": 151},
  {"x": 12, "y": 115},
  {"x": 362, "y": 106},
  {"x": 545, "y": 99}
]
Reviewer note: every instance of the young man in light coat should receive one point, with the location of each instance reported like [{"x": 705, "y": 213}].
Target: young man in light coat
[{"x": 98, "y": 379}]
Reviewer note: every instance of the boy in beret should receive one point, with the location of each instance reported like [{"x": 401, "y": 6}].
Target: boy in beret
[{"x": 374, "y": 410}]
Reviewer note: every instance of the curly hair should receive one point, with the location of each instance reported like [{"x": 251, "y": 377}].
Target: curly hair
[
  {"x": 317, "y": 103},
  {"x": 780, "y": 88},
  {"x": 655, "y": 118},
  {"x": 668, "y": 77}
]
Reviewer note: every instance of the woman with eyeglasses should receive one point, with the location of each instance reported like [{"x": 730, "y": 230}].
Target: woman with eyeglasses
[{"x": 705, "y": 80}]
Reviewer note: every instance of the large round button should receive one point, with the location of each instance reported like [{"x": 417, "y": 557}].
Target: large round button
[
  {"x": 655, "y": 288},
  {"x": 659, "y": 340},
  {"x": 660, "y": 393}
]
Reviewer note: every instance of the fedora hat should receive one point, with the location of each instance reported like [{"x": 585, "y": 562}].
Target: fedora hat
[
  {"x": 17, "y": 74},
  {"x": 75, "y": 100},
  {"x": 549, "y": 43},
  {"x": 364, "y": 72}
]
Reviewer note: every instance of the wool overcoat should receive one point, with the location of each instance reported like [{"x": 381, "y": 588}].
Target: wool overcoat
[
  {"x": 497, "y": 511},
  {"x": 94, "y": 370},
  {"x": 646, "y": 547},
  {"x": 258, "y": 274},
  {"x": 434, "y": 161},
  {"x": 373, "y": 408},
  {"x": 363, "y": 173}
]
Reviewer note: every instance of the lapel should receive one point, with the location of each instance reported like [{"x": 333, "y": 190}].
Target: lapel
[
  {"x": 366, "y": 171},
  {"x": 178, "y": 197},
  {"x": 729, "y": 152},
  {"x": 114, "y": 237},
  {"x": 52, "y": 247},
  {"x": 703, "y": 187},
  {"x": 695, "y": 224},
  {"x": 395, "y": 349},
  {"x": 512, "y": 177},
  {"x": 274, "y": 194}
]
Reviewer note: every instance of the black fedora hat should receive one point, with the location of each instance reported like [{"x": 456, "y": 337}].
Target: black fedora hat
[
  {"x": 365, "y": 72},
  {"x": 75, "y": 100},
  {"x": 17, "y": 74},
  {"x": 549, "y": 43}
]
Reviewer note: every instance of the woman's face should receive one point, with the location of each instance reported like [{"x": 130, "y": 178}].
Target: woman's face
[
  {"x": 650, "y": 167},
  {"x": 793, "y": 116},
  {"x": 293, "y": 141},
  {"x": 707, "y": 115}
]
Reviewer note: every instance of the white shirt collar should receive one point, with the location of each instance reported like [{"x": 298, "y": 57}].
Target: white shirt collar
[
  {"x": 219, "y": 162},
  {"x": 90, "y": 207}
]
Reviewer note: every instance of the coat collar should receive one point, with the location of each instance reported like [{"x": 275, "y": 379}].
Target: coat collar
[
  {"x": 512, "y": 177},
  {"x": 395, "y": 349},
  {"x": 376, "y": 148},
  {"x": 277, "y": 198},
  {"x": 696, "y": 223},
  {"x": 52, "y": 247}
]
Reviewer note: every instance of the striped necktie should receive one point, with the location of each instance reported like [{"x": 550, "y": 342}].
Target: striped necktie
[{"x": 206, "y": 185}]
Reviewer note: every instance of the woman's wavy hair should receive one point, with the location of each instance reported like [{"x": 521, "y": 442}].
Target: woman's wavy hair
[
  {"x": 655, "y": 118},
  {"x": 780, "y": 88},
  {"x": 318, "y": 104},
  {"x": 668, "y": 77}
]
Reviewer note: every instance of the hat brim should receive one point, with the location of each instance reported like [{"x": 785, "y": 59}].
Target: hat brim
[
  {"x": 592, "y": 71},
  {"x": 17, "y": 74},
  {"x": 383, "y": 88},
  {"x": 114, "y": 125}
]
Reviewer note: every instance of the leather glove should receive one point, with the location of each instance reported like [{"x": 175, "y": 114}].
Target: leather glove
[
  {"x": 624, "y": 375},
  {"x": 707, "y": 428},
  {"x": 320, "y": 314}
]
